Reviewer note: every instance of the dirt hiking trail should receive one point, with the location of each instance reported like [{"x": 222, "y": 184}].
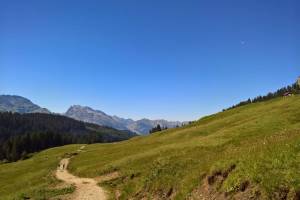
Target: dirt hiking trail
[{"x": 86, "y": 188}]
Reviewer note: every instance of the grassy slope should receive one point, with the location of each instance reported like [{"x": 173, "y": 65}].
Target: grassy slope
[
  {"x": 262, "y": 140},
  {"x": 33, "y": 177}
]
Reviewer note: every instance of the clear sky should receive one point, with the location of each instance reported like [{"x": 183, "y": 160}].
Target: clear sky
[{"x": 171, "y": 59}]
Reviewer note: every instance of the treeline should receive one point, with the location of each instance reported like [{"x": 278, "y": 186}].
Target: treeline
[
  {"x": 289, "y": 90},
  {"x": 157, "y": 129},
  {"x": 21, "y": 134}
]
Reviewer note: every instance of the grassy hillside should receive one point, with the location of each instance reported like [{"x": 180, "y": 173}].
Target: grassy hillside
[
  {"x": 251, "y": 151},
  {"x": 34, "y": 177}
]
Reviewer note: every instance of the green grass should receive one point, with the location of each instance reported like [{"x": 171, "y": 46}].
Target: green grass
[
  {"x": 262, "y": 140},
  {"x": 34, "y": 177}
]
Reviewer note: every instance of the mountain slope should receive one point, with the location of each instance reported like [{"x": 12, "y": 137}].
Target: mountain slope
[
  {"x": 21, "y": 134},
  {"x": 87, "y": 114},
  {"x": 247, "y": 152},
  {"x": 13, "y": 103}
]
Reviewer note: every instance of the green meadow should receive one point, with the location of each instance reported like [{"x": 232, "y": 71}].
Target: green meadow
[
  {"x": 261, "y": 140},
  {"x": 34, "y": 178},
  {"x": 252, "y": 149}
]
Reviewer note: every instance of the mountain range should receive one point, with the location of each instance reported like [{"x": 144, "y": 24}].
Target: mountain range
[
  {"x": 13, "y": 103},
  {"x": 87, "y": 114}
]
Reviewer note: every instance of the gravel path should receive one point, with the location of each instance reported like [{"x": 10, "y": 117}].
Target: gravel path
[{"x": 86, "y": 188}]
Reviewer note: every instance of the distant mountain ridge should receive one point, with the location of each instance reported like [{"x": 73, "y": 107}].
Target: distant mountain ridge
[
  {"x": 14, "y": 103},
  {"x": 87, "y": 114}
]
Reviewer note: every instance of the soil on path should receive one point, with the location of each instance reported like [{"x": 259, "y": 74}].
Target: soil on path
[{"x": 86, "y": 188}]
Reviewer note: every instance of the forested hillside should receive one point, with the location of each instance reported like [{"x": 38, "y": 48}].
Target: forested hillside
[
  {"x": 21, "y": 134},
  {"x": 285, "y": 91}
]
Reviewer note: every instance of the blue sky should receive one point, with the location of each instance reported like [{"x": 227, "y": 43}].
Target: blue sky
[{"x": 177, "y": 60}]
